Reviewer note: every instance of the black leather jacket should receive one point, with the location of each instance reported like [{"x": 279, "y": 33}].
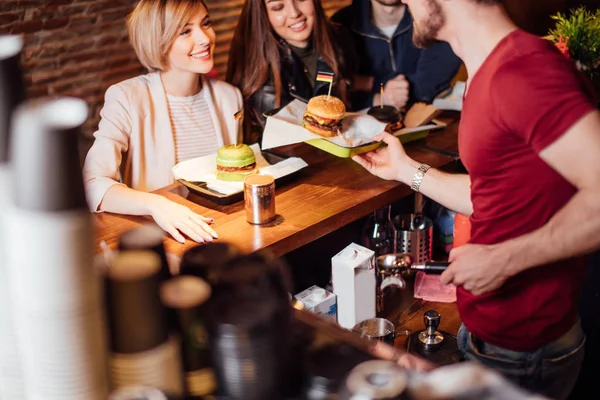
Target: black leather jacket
[{"x": 295, "y": 85}]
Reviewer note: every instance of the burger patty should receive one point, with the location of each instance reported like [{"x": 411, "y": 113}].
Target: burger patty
[
  {"x": 247, "y": 168},
  {"x": 322, "y": 121},
  {"x": 393, "y": 127},
  {"x": 329, "y": 125}
]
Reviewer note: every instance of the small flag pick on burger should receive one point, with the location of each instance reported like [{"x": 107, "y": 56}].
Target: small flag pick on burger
[
  {"x": 326, "y": 77},
  {"x": 238, "y": 115}
]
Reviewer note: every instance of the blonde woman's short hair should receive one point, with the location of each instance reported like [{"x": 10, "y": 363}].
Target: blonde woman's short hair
[{"x": 154, "y": 25}]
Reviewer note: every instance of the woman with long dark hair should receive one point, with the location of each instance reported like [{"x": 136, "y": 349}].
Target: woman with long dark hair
[{"x": 277, "y": 50}]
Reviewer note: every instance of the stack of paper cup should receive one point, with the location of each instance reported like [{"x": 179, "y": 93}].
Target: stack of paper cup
[
  {"x": 137, "y": 393},
  {"x": 11, "y": 379},
  {"x": 55, "y": 296},
  {"x": 142, "y": 351},
  {"x": 12, "y": 93}
]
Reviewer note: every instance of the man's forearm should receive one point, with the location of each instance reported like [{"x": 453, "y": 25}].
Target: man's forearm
[
  {"x": 573, "y": 231},
  {"x": 453, "y": 191}
]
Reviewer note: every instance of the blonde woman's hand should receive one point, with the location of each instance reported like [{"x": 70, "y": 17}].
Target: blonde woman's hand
[
  {"x": 177, "y": 219},
  {"x": 385, "y": 162}
]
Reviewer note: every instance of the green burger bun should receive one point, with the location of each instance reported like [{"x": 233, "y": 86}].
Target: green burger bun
[{"x": 235, "y": 162}]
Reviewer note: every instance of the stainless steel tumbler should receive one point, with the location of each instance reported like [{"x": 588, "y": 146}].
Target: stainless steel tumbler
[{"x": 259, "y": 198}]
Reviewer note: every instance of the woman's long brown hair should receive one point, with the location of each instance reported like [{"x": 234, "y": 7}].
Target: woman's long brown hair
[{"x": 254, "y": 54}]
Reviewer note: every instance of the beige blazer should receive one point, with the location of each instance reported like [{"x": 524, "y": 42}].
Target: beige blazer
[{"x": 134, "y": 141}]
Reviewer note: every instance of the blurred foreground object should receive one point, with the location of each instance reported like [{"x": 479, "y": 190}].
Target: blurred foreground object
[
  {"x": 185, "y": 296},
  {"x": 466, "y": 381},
  {"x": 143, "y": 350},
  {"x": 12, "y": 92},
  {"x": 56, "y": 297},
  {"x": 147, "y": 237},
  {"x": 379, "y": 380},
  {"x": 137, "y": 393},
  {"x": 248, "y": 320}
]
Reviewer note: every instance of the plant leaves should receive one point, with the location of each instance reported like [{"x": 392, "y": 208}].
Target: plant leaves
[{"x": 582, "y": 27}]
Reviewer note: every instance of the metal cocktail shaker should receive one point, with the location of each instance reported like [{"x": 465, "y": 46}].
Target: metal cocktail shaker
[{"x": 259, "y": 199}]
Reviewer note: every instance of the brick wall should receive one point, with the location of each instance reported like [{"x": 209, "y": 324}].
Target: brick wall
[
  {"x": 72, "y": 48},
  {"x": 80, "y": 47}
]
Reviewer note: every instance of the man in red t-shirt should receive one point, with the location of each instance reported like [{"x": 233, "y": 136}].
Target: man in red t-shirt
[{"x": 529, "y": 137}]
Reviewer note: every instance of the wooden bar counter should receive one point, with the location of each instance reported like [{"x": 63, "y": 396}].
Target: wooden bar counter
[{"x": 327, "y": 195}]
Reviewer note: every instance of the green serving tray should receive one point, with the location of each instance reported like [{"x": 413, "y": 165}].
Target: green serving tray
[{"x": 347, "y": 152}]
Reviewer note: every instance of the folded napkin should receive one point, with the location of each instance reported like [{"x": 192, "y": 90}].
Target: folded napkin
[
  {"x": 429, "y": 288},
  {"x": 202, "y": 169}
]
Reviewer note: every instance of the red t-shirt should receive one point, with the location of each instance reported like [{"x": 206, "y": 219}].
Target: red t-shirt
[{"x": 524, "y": 97}]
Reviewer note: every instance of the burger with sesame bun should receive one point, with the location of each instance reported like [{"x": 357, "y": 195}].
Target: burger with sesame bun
[
  {"x": 235, "y": 162},
  {"x": 324, "y": 115}
]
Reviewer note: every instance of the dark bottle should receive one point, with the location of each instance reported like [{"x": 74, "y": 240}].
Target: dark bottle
[
  {"x": 184, "y": 297},
  {"x": 378, "y": 232}
]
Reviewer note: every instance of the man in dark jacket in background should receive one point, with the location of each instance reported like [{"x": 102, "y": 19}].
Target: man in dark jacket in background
[{"x": 382, "y": 31}]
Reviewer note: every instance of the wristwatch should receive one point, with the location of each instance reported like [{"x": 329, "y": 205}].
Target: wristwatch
[{"x": 418, "y": 178}]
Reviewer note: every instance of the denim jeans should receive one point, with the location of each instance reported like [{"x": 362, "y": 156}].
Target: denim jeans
[{"x": 550, "y": 371}]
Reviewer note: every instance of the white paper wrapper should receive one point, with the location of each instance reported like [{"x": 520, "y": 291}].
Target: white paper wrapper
[
  {"x": 202, "y": 169},
  {"x": 453, "y": 99},
  {"x": 285, "y": 128}
]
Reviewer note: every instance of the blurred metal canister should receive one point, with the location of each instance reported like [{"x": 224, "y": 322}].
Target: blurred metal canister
[
  {"x": 248, "y": 321},
  {"x": 375, "y": 380},
  {"x": 259, "y": 198}
]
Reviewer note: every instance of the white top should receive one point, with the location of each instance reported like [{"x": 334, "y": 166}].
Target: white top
[
  {"x": 193, "y": 129},
  {"x": 388, "y": 31}
]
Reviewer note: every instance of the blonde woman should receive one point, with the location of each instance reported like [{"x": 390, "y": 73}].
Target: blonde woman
[{"x": 151, "y": 122}]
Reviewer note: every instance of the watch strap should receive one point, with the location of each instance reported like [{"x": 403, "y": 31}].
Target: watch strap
[{"x": 418, "y": 178}]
